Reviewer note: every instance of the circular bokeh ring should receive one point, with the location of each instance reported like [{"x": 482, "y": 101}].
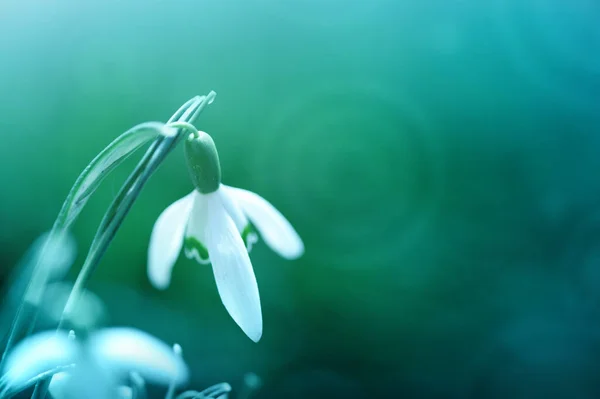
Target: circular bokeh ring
[{"x": 361, "y": 168}]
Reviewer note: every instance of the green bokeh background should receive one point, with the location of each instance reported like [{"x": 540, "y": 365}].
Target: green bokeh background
[{"x": 438, "y": 157}]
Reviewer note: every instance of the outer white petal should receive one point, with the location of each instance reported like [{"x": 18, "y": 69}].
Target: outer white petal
[
  {"x": 121, "y": 350},
  {"x": 38, "y": 354},
  {"x": 273, "y": 227},
  {"x": 232, "y": 208},
  {"x": 166, "y": 241},
  {"x": 59, "y": 385},
  {"x": 233, "y": 271}
]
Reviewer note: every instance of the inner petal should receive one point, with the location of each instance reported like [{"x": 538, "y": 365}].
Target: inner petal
[
  {"x": 195, "y": 250},
  {"x": 233, "y": 209},
  {"x": 242, "y": 224},
  {"x": 249, "y": 236},
  {"x": 196, "y": 230}
]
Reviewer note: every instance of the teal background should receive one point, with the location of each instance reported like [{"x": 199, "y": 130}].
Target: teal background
[{"x": 438, "y": 157}]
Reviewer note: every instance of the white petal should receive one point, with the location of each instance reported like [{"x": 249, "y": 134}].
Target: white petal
[
  {"x": 86, "y": 380},
  {"x": 240, "y": 220},
  {"x": 233, "y": 271},
  {"x": 60, "y": 253},
  {"x": 124, "y": 392},
  {"x": 273, "y": 227},
  {"x": 38, "y": 354},
  {"x": 121, "y": 350},
  {"x": 59, "y": 385},
  {"x": 232, "y": 208},
  {"x": 167, "y": 240},
  {"x": 88, "y": 312}
]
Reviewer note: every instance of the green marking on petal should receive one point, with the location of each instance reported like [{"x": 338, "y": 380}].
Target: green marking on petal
[
  {"x": 247, "y": 230},
  {"x": 249, "y": 236},
  {"x": 191, "y": 244}
]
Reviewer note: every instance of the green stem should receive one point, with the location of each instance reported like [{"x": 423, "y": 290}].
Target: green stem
[
  {"x": 25, "y": 318},
  {"x": 121, "y": 205}
]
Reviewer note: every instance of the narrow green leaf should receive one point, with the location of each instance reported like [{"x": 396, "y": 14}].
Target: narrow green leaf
[{"x": 91, "y": 177}]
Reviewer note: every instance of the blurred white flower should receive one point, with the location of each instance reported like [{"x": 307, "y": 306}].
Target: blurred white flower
[
  {"x": 122, "y": 350},
  {"x": 88, "y": 312},
  {"x": 36, "y": 355},
  {"x": 106, "y": 355},
  {"x": 213, "y": 224}
]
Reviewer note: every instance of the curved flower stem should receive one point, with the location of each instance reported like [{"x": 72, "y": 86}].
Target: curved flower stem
[
  {"x": 125, "y": 198},
  {"x": 85, "y": 185},
  {"x": 121, "y": 205},
  {"x": 184, "y": 125}
]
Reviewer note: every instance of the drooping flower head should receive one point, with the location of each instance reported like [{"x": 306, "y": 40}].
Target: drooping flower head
[{"x": 213, "y": 225}]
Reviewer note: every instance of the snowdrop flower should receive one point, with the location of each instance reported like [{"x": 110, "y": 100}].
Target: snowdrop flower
[
  {"x": 212, "y": 224},
  {"x": 106, "y": 355},
  {"x": 37, "y": 355}
]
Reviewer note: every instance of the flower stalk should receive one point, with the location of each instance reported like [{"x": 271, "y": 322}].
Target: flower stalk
[
  {"x": 121, "y": 205},
  {"x": 166, "y": 138}
]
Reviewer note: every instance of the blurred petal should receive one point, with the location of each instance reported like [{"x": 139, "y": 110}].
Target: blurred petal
[
  {"x": 122, "y": 350},
  {"x": 61, "y": 250},
  {"x": 53, "y": 263},
  {"x": 273, "y": 227},
  {"x": 196, "y": 227},
  {"x": 86, "y": 380},
  {"x": 89, "y": 311},
  {"x": 38, "y": 354},
  {"x": 59, "y": 385},
  {"x": 252, "y": 382},
  {"x": 167, "y": 240},
  {"x": 125, "y": 392},
  {"x": 233, "y": 271}
]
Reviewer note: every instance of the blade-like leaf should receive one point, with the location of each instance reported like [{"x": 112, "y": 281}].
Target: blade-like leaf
[{"x": 115, "y": 153}]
